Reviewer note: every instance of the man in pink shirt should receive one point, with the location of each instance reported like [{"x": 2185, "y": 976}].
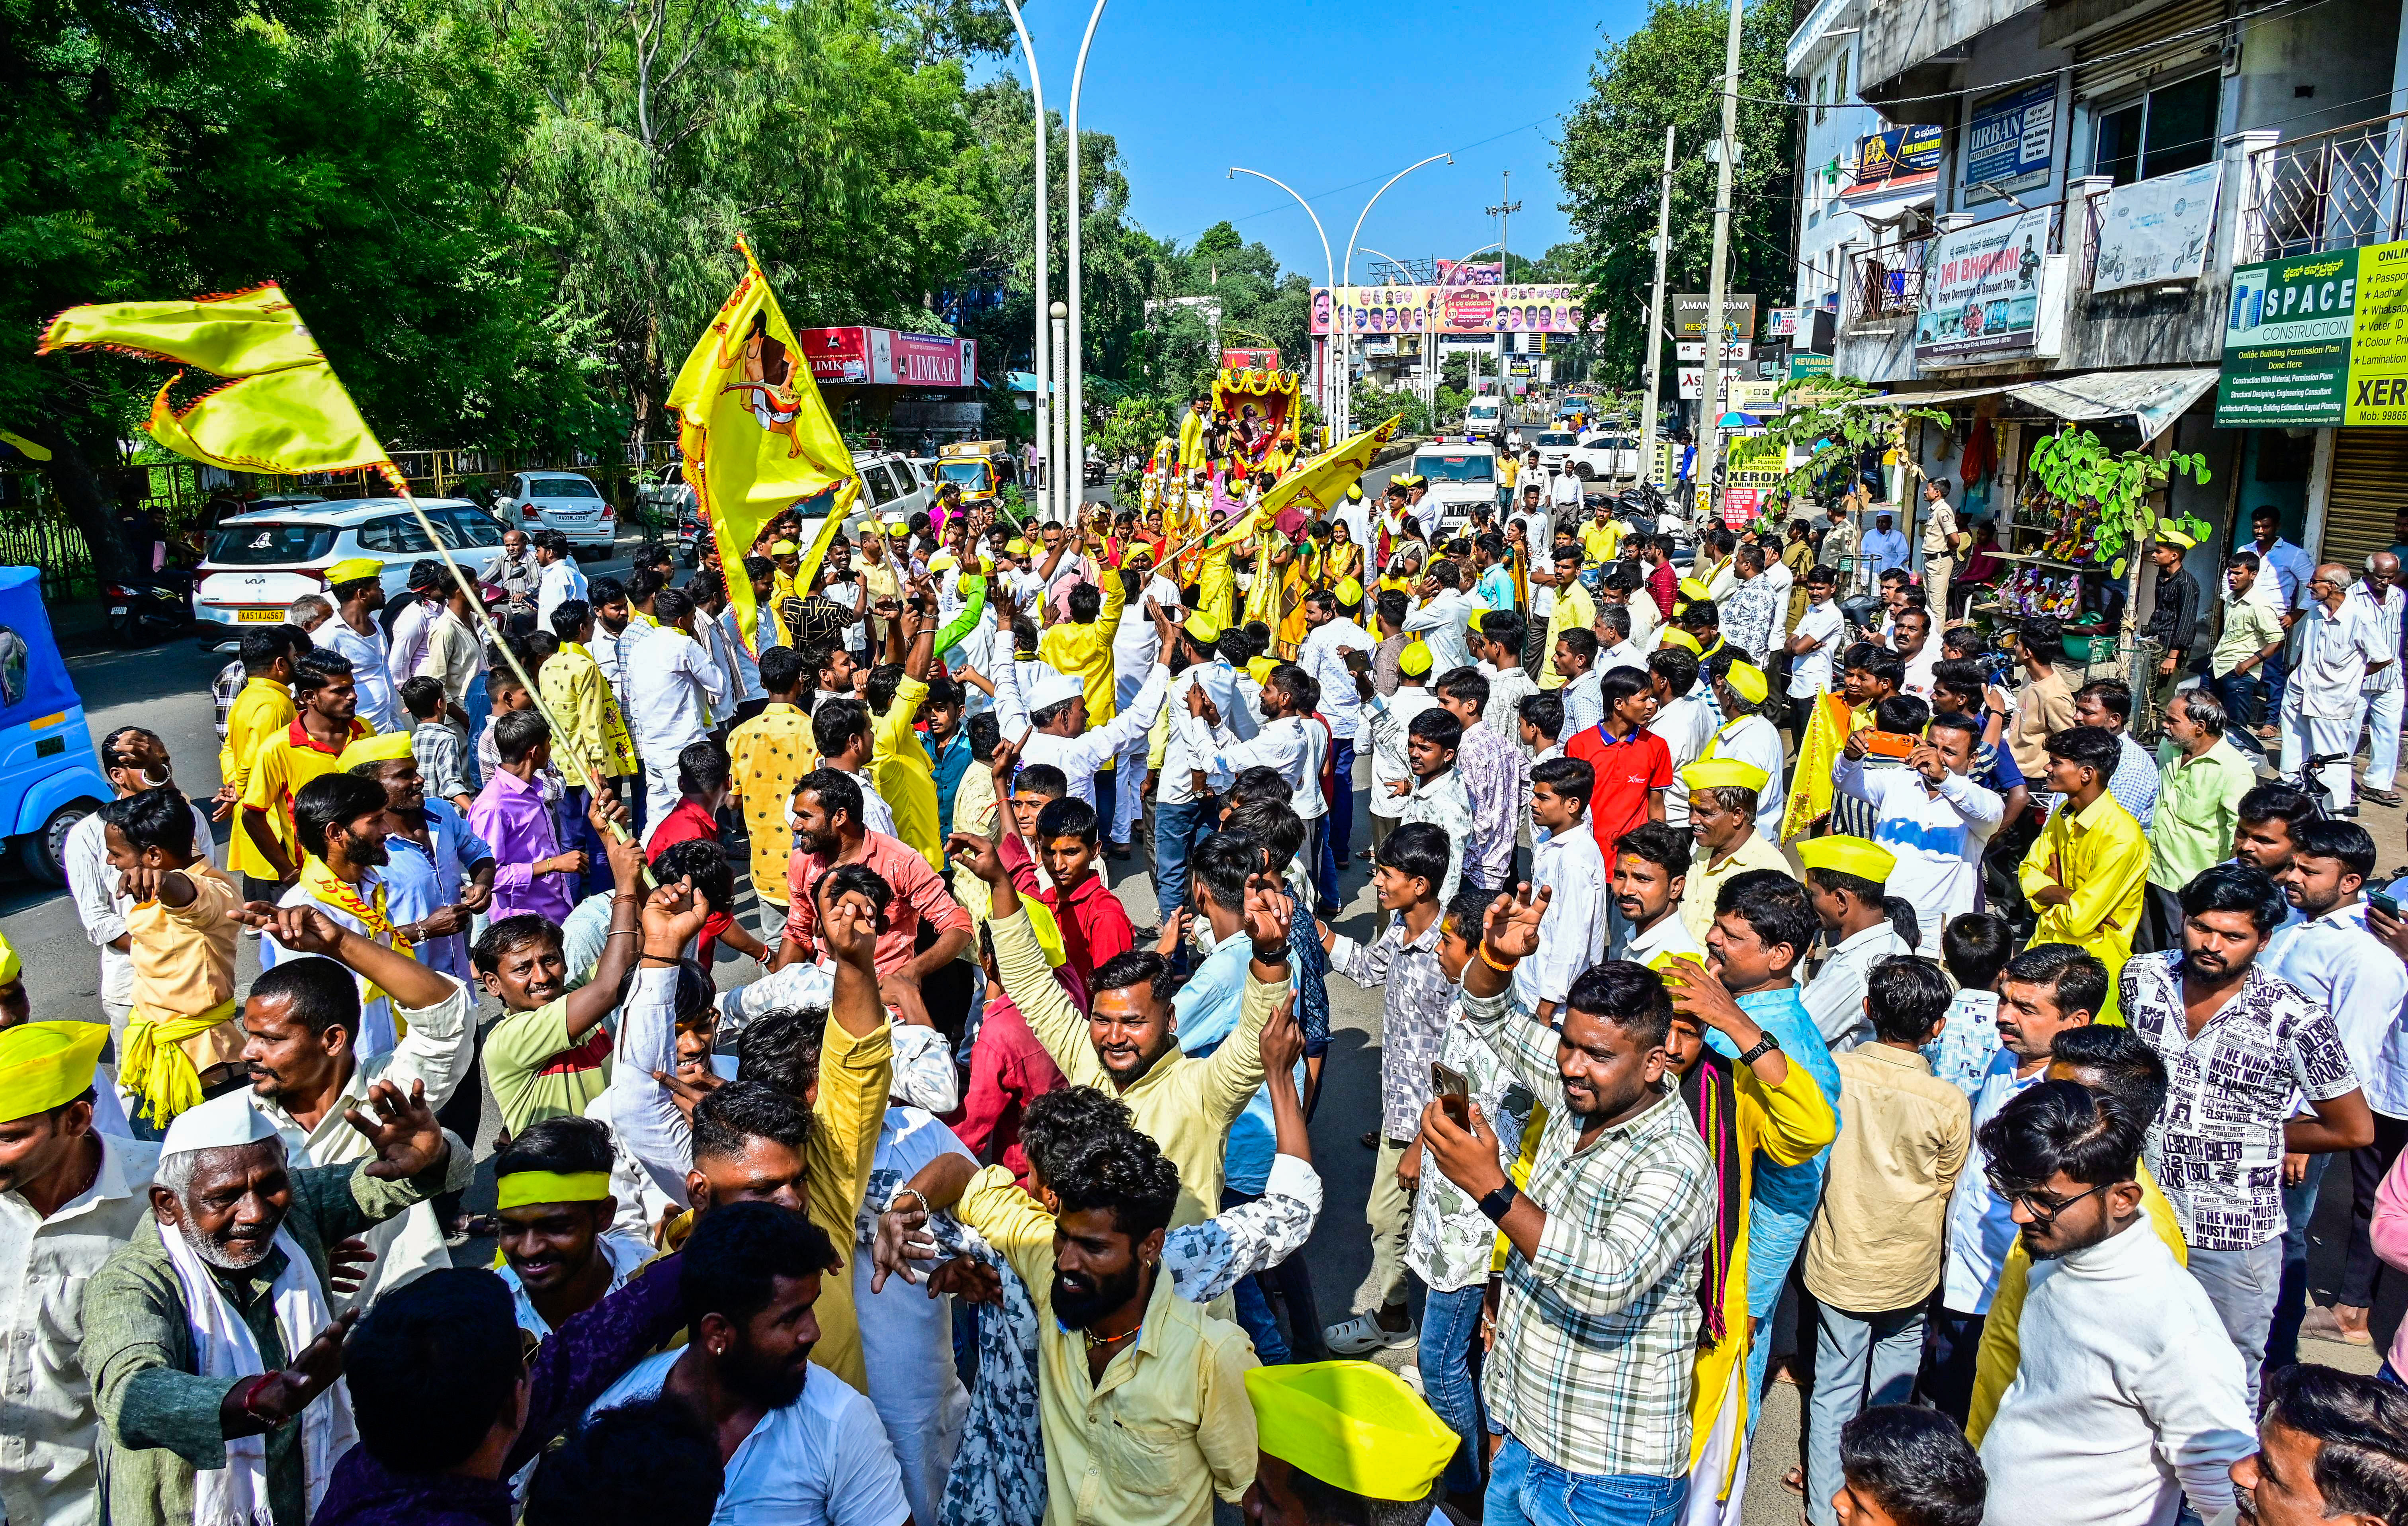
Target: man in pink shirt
[{"x": 828, "y": 833}]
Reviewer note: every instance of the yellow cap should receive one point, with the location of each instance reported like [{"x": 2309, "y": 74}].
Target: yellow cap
[
  {"x": 1848, "y": 856},
  {"x": 379, "y": 748},
  {"x": 12, "y": 969},
  {"x": 353, "y": 568},
  {"x": 1692, "y": 588},
  {"x": 2169, "y": 536},
  {"x": 1354, "y": 491},
  {"x": 1414, "y": 659},
  {"x": 1260, "y": 667},
  {"x": 1353, "y": 1425},
  {"x": 1747, "y": 681},
  {"x": 1675, "y": 637},
  {"x": 1350, "y": 591},
  {"x": 47, "y": 1065},
  {"x": 1202, "y": 627},
  {"x": 941, "y": 561},
  {"x": 898, "y": 532},
  {"x": 1724, "y": 773},
  {"x": 1016, "y": 546},
  {"x": 785, "y": 548}
]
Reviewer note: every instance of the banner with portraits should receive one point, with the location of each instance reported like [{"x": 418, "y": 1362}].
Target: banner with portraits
[{"x": 1447, "y": 310}]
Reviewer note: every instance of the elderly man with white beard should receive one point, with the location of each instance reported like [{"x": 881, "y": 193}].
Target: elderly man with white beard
[{"x": 215, "y": 1362}]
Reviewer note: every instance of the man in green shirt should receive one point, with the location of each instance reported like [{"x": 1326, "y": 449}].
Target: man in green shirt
[
  {"x": 2253, "y": 632},
  {"x": 2201, "y": 779},
  {"x": 206, "y": 1405}
]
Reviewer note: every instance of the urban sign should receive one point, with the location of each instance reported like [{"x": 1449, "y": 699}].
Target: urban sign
[
  {"x": 2317, "y": 340},
  {"x": 2011, "y": 140}
]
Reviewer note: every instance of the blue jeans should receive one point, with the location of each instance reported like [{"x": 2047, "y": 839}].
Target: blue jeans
[
  {"x": 1177, "y": 828},
  {"x": 1255, "y": 1317},
  {"x": 2239, "y": 692},
  {"x": 2291, "y": 1301},
  {"x": 1525, "y": 1490},
  {"x": 1339, "y": 837},
  {"x": 1450, "y": 1325},
  {"x": 2278, "y": 680},
  {"x": 577, "y": 832},
  {"x": 480, "y": 708},
  {"x": 1786, "y": 1197}
]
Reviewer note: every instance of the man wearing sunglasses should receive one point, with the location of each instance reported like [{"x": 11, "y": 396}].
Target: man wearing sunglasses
[{"x": 2124, "y": 1359}]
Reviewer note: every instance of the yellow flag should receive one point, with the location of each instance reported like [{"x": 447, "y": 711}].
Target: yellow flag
[
  {"x": 1315, "y": 487},
  {"x": 1818, "y": 765},
  {"x": 754, "y": 433},
  {"x": 284, "y": 411}
]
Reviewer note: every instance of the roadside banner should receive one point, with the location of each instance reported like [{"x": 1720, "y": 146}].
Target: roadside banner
[{"x": 2317, "y": 340}]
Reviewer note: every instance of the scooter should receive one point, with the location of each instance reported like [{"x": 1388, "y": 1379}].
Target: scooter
[{"x": 148, "y": 608}]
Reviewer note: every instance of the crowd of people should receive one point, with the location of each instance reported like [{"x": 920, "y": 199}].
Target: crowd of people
[{"x": 1767, "y": 985}]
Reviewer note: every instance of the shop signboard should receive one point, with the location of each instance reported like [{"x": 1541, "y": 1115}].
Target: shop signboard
[
  {"x": 836, "y": 354},
  {"x": 2317, "y": 340},
  {"x": 1805, "y": 365},
  {"x": 1781, "y": 324},
  {"x": 1250, "y": 360},
  {"x": 921, "y": 360},
  {"x": 1981, "y": 290},
  {"x": 1755, "y": 460},
  {"x": 1689, "y": 316},
  {"x": 2157, "y": 230},
  {"x": 1447, "y": 310},
  {"x": 1741, "y": 506},
  {"x": 2010, "y": 142},
  {"x": 1693, "y": 351},
  {"x": 1894, "y": 162}
]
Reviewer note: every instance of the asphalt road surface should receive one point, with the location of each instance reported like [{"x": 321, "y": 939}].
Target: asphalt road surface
[{"x": 166, "y": 687}]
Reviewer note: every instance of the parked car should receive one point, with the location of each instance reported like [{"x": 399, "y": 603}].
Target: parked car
[
  {"x": 48, "y": 779},
  {"x": 1555, "y": 447},
  {"x": 890, "y": 485},
  {"x": 261, "y": 562},
  {"x": 564, "y": 501},
  {"x": 1604, "y": 456}
]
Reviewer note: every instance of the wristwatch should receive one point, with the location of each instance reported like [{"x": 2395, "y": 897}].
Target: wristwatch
[
  {"x": 1495, "y": 1204},
  {"x": 1764, "y": 1046}
]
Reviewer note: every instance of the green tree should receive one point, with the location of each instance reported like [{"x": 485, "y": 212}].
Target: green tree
[{"x": 1610, "y": 159}]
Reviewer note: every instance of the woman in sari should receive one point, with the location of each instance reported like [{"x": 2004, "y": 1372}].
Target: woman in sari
[
  {"x": 1342, "y": 558},
  {"x": 1306, "y": 571}
]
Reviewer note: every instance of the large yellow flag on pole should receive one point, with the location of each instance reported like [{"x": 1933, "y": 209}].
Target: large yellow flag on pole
[
  {"x": 1316, "y": 487},
  {"x": 284, "y": 409},
  {"x": 755, "y": 434}
]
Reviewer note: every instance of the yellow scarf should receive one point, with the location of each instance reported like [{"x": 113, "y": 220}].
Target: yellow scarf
[
  {"x": 153, "y": 1067},
  {"x": 320, "y": 882}
]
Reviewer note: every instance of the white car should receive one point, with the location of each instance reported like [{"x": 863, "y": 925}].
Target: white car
[
  {"x": 890, "y": 484},
  {"x": 1604, "y": 456},
  {"x": 1554, "y": 448},
  {"x": 562, "y": 501},
  {"x": 260, "y": 562},
  {"x": 1461, "y": 476}
]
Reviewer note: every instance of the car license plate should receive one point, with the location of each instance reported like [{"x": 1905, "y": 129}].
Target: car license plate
[
  {"x": 259, "y": 617},
  {"x": 116, "y": 608}
]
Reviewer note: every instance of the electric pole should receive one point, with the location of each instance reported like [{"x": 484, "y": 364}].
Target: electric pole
[
  {"x": 1655, "y": 324},
  {"x": 1710, "y": 409},
  {"x": 1503, "y": 211}
]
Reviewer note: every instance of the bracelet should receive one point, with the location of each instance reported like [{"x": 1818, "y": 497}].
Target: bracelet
[
  {"x": 250, "y": 1393},
  {"x": 915, "y": 1192},
  {"x": 1491, "y": 960},
  {"x": 622, "y": 932}
]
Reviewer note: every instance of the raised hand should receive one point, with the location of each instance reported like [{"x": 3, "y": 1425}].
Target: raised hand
[
  {"x": 347, "y": 1263},
  {"x": 672, "y": 914},
  {"x": 1002, "y": 762},
  {"x": 1511, "y": 929},
  {"x": 401, "y": 1129},
  {"x": 1283, "y": 1040},
  {"x": 978, "y": 854},
  {"x": 685, "y": 1091},
  {"x": 849, "y": 930},
  {"x": 1174, "y": 932},
  {"x": 1269, "y": 911}
]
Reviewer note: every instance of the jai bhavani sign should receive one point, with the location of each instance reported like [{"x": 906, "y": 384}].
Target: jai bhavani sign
[{"x": 2317, "y": 340}]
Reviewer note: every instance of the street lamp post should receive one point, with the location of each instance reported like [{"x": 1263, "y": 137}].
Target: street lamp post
[
  {"x": 1074, "y": 463},
  {"x": 1346, "y": 410},
  {"x": 1060, "y": 315},
  {"x": 1325, "y": 396},
  {"x": 1039, "y": 354},
  {"x": 1427, "y": 391}
]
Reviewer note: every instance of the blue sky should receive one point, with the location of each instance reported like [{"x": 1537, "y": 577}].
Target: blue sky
[{"x": 1333, "y": 99}]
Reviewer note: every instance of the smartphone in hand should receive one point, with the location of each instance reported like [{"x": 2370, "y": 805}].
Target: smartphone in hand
[{"x": 1454, "y": 1093}]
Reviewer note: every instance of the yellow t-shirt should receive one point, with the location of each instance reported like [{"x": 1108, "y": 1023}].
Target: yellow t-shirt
[
  {"x": 283, "y": 762},
  {"x": 766, "y": 755},
  {"x": 1598, "y": 541},
  {"x": 906, "y": 781}
]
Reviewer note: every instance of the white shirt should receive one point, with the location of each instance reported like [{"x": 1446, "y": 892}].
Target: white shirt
[
  {"x": 452, "y": 656},
  {"x": 907, "y": 1337},
  {"x": 101, "y": 909},
  {"x": 1752, "y": 739},
  {"x": 1980, "y": 1225},
  {"x": 49, "y": 1448},
  {"x": 1810, "y": 672},
  {"x": 408, "y": 642},
  {"x": 1294, "y": 744},
  {"x": 379, "y": 697},
  {"x": 1080, "y": 756},
  {"x": 671, "y": 686},
  {"x": 560, "y": 582},
  {"x": 2129, "y": 1398},
  {"x": 2384, "y": 616},
  {"x": 1835, "y": 998},
  {"x": 1339, "y": 704},
  {"x": 1620, "y": 655},
  {"x": 2331, "y": 649},
  {"x": 1573, "y": 930},
  {"x": 438, "y": 1051},
  {"x": 1937, "y": 839},
  {"x": 625, "y": 1252},
  {"x": 1683, "y": 726},
  {"x": 1669, "y": 935},
  {"x": 876, "y": 814},
  {"x": 736, "y": 663},
  {"x": 822, "y": 1460},
  {"x": 1564, "y": 491},
  {"x": 2336, "y": 962},
  {"x": 1219, "y": 682},
  {"x": 1442, "y": 624},
  {"x": 1137, "y": 645},
  {"x": 1918, "y": 670},
  {"x": 1408, "y": 701},
  {"x": 1584, "y": 702}
]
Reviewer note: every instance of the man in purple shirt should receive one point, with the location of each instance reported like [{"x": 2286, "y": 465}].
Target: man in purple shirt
[{"x": 532, "y": 875}]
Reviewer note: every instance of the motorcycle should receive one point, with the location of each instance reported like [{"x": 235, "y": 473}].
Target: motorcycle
[{"x": 151, "y": 606}]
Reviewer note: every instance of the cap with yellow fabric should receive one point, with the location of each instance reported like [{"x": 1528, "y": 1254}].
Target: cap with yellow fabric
[
  {"x": 1414, "y": 659},
  {"x": 785, "y": 548},
  {"x": 1016, "y": 546},
  {"x": 1353, "y": 492},
  {"x": 1202, "y": 627},
  {"x": 47, "y": 1065},
  {"x": 382, "y": 747},
  {"x": 1854, "y": 856},
  {"x": 1260, "y": 668},
  {"x": 1692, "y": 588},
  {"x": 2169, "y": 536},
  {"x": 1747, "y": 681},
  {"x": 1349, "y": 591},
  {"x": 354, "y": 569},
  {"x": 1724, "y": 773},
  {"x": 898, "y": 532},
  {"x": 1673, "y": 636},
  {"x": 942, "y": 561},
  {"x": 12, "y": 969},
  {"x": 1354, "y": 1425}
]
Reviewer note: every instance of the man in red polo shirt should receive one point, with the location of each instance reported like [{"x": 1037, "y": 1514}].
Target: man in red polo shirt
[
  {"x": 702, "y": 770},
  {"x": 1094, "y": 925},
  {"x": 828, "y": 833},
  {"x": 1633, "y": 765}
]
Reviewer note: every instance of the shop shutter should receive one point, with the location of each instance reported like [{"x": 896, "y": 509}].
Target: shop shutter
[
  {"x": 2370, "y": 486},
  {"x": 2166, "y": 43}
]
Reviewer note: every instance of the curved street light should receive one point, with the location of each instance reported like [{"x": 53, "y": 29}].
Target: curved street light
[
  {"x": 1074, "y": 459},
  {"x": 1322, "y": 371},
  {"x": 1039, "y": 353},
  {"x": 1345, "y": 401}
]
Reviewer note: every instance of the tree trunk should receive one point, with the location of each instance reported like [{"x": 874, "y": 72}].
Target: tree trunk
[{"x": 85, "y": 496}]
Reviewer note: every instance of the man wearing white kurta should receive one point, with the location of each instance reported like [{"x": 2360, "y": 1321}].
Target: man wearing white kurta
[
  {"x": 2338, "y": 642},
  {"x": 1935, "y": 822},
  {"x": 2379, "y": 595},
  {"x": 673, "y": 688}
]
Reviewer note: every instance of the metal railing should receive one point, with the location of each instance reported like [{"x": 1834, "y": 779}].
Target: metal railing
[
  {"x": 1889, "y": 281},
  {"x": 2337, "y": 189}
]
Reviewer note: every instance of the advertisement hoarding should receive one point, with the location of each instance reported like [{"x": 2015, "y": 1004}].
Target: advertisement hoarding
[
  {"x": 2317, "y": 340},
  {"x": 836, "y": 354},
  {"x": 1980, "y": 291},
  {"x": 1892, "y": 163},
  {"x": 2010, "y": 142},
  {"x": 2157, "y": 230},
  {"x": 1447, "y": 310},
  {"x": 1250, "y": 360},
  {"x": 1802, "y": 364},
  {"x": 884, "y": 357},
  {"x": 1689, "y": 315},
  {"x": 1471, "y": 273}
]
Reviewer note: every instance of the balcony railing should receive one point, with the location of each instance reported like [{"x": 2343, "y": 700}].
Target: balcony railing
[
  {"x": 1889, "y": 281},
  {"x": 2337, "y": 189}
]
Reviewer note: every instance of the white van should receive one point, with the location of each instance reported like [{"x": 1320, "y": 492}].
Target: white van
[{"x": 1484, "y": 419}]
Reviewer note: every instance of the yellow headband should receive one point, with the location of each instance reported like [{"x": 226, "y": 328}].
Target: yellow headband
[
  {"x": 47, "y": 1065},
  {"x": 521, "y": 1188}
]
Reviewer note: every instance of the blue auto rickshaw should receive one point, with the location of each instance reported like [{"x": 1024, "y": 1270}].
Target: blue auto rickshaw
[{"x": 49, "y": 778}]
